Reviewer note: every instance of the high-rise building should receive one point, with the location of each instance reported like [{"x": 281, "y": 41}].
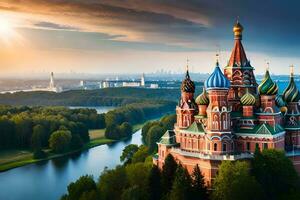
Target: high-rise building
[{"x": 143, "y": 80}]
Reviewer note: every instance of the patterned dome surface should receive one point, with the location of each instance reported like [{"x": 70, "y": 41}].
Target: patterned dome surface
[
  {"x": 267, "y": 86},
  {"x": 291, "y": 93},
  {"x": 217, "y": 80},
  {"x": 279, "y": 101},
  {"x": 248, "y": 99},
  {"x": 187, "y": 84},
  {"x": 202, "y": 99}
]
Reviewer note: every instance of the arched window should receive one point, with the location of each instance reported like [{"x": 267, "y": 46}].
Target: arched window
[
  {"x": 215, "y": 146},
  {"x": 224, "y": 147}
]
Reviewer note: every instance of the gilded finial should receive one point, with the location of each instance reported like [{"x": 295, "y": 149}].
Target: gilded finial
[
  {"x": 217, "y": 58},
  {"x": 237, "y": 30}
]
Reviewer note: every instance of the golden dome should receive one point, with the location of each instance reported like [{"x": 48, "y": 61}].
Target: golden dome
[{"x": 238, "y": 29}]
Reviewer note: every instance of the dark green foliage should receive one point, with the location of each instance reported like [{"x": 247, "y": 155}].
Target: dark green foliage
[
  {"x": 39, "y": 154},
  {"x": 60, "y": 140},
  {"x": 234, "y": 182},
  {"x": 112, "y": 183},
  {"x": 154, "y": 187},
  {"x": 84, "y": 188},
  {"x": 101, "y": 97},
  {"x": 152, "y": 131},
  {"x": 76, "y": 142},
  {"x": 276, "y": 173},
  {"x": 37, "y": 137},
  {"x": 128, "y": 153},
  {"x": 133, "y": 193},
  {"x": 199, "y": 189},
  {"x": 125, "y": 129},
  {"x": 140, "y": 155},
  {"x": 182, "y": 186},
  {"x": 31, "y": 127},
  {"x": 112, "y": 132},
  {"x": 168, "y": 173},
  {"x": 153, "y": 135}
]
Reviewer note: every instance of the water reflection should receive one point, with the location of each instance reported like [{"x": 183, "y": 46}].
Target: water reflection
[{"x": 48, "y": 180}]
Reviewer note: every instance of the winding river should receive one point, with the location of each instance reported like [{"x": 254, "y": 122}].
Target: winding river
[{"x": 48, "y": 180}]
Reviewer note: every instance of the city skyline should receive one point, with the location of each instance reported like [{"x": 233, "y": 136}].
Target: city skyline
[{"x": 133, "y": 37}]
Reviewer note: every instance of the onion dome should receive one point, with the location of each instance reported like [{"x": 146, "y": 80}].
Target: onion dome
[
  {"x": 291, "y": 93},
  {"x": 202, "y": 99},
  {"x": 279, "y": 101},
  {"x": 217, "y": 80},
  {"x": 267, "y": 86},
  {"x": 237, "y": 30},
  {"x": 248, "y": 99},
  {"x": 187, "y": 84}
]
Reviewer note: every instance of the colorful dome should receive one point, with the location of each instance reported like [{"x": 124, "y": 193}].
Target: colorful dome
[
  {"x": 217, "y": 80},
  {"x": 267, "y": 86},
  {"x": 248, "y": 99},
  {"x": 202, "y": 99},
  {"x": 279, "y": 101},
  {"x": 291, "y": 93},
  {"x": 187, "y": 84}
]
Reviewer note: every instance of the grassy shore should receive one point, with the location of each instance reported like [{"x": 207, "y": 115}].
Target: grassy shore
[{"x": 16, "y": 158}]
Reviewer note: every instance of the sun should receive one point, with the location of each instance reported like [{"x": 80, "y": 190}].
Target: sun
[{"x": 7, "y": 31}]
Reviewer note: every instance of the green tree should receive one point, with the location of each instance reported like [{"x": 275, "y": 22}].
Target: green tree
[
  {"x": 128, "y": 153},
  {"x": 137, "y": 174},
  {"x": 125, "y": 129},
  {"x": 154, "y": 134},
  {"x": 199, "y": 190},
  {"x": 182, "y": 188},
  {"x": 275, "y": 172},
  {"x": 112, "y": 131},
  {"x": 133, "y": 193},
  {"x": 76, "y": 142},
  {"x": 60, "y": 141},
  {"x": 140, "y": 155},
  {"x": 168, "y": 121},
  {"x": 234, "y": 182},
  {"x": 112, "y": 183},
  {"x": 154, "y": 184},
  {"x": 82, "y": 187},
  {"x": 168, "y": 173},
  {"x": 37, "y": 137}
]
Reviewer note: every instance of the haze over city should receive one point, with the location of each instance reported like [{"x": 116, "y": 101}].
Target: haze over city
[{"x": 88, "y": 36}]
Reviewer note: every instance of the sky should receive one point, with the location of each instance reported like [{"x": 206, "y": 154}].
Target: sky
[{"x": 135, "y": 36}]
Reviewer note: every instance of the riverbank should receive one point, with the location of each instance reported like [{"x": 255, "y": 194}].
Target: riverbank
[{"x": 16, "y": 158}]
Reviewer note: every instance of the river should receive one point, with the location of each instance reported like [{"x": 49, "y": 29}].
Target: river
[{"x": 48, "y": 180}]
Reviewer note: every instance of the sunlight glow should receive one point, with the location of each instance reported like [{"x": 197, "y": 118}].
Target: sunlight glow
[{"x": 6, "y": 28}]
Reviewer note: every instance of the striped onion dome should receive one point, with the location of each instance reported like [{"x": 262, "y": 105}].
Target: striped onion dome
[
  {"x": 291, "y": 93},
  {"x": 267, "y": 86},
  {"x": 187, "y": 84},
  {"x": 248, "y": 99},
  {"x": 217, "y": 80},
  {"x": 202, "y": 99},
  {"x": 279, "y": 101}
]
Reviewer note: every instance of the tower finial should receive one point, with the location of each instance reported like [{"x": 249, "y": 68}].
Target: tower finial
[
  {"x": 217, "y": 58},
  {"x": 237, "y": 30},
  {"x": 267, "y": 66},
  {"x": 292, "y": 70},
  {"x": 187, "y": 64}
]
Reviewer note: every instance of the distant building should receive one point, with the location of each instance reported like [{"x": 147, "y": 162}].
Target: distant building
[
  {"x": 154, "y": 86},
  {"x": 143, "y": 80},
  {"x": 131, "y": 84}
]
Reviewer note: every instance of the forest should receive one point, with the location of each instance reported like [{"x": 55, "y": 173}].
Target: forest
[
  {"x": 62, "y": 129},
  {"x": 100, "y": 97}
]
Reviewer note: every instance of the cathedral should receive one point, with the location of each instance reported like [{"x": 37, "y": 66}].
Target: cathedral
[{"x": 232, "y": 117}]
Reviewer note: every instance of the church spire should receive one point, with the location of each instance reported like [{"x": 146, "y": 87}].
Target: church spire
[{"x": 238, "y": 56}]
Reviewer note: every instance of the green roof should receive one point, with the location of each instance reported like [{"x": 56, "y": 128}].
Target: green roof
[
  {"x": 262, "y": 129},
  {"x": 236, "y": 114},
  {"x": 168, "y": 138},
  {"x": 196, "y": 128}
]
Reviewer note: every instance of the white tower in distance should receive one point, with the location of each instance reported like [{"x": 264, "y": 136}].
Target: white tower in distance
[
  {"x": 143, "y": 80},
  {"x": 51, "y": 84}
]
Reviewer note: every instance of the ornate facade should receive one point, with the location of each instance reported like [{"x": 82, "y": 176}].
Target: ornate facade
[{"x": 231, "y": 117}]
